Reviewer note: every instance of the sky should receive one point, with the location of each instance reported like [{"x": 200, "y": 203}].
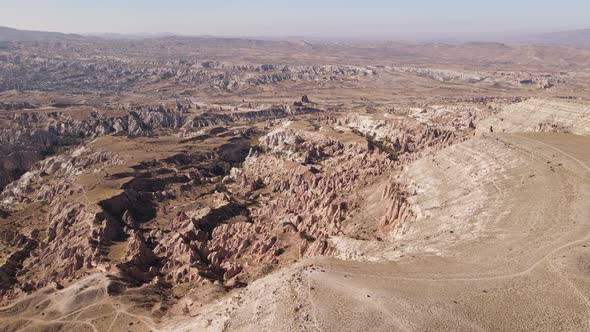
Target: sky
[{"x": 312, "y": 18}]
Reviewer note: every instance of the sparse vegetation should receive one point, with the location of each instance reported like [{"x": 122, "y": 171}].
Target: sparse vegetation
[{"x": 384, "y": 145}]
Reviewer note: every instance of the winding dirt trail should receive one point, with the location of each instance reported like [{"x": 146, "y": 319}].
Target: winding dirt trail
[
  {"x": 84, "y": 306},
  {"x": 502, "y": 243}
]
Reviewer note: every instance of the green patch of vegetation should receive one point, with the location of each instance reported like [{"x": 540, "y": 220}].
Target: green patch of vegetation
[
  {"x": 253, "y": 141},
  {"x": 53, "y": 150},
  {"x": 384, "y": 145},
  {"x": 253, "y": 138},
  {"x": 220, "y": 187}
]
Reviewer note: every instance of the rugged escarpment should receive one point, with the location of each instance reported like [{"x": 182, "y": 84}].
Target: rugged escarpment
[
  {"x": 85, "y": 225},
  {"x": 37, "y": 72},
  {"x": 32, "y": 136},
  {"x": 215, "y": 208}
]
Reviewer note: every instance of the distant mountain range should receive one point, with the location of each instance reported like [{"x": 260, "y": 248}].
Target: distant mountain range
[
  {"x": 572, "y": 38},
  {"x": 143, "y": 35},
  {"x": 10, "y": 34}
]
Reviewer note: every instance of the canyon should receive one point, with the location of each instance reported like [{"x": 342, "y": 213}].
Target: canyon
[{"x": 232, "y": 184}]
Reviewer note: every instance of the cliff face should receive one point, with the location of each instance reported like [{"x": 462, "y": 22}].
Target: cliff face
[
  {"x": 170, "y": 197},
  {"x": 32, "y": 136}
]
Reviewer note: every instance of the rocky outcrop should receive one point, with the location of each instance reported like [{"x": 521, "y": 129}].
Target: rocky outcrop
[
  {"x": 540, "y": 115},
  {"x": 22, "y": 146},
  {"x": 210, "y": 119},
  {"x": 16, "y": 106},
  {"x": 443, "y": 75},
  {"x": 195, "y": 250},
  {"x": 25, "y": 146},
  {"x": 399, "y": 209},
  {"x": 75, "y": 242},
  {"x": 308, "y": 177},
  {"x": 13, "y": 263},
  {"x": 113, "y": 74},
  {"x": 294, "y": 190},
  {"x": 140, "y": 264},
  {"x": 15, "y": 164},
  {"x": 545, "y": 127},
  {"x": 64, "y": 166},
  {"x": 407, "y": 139},
  {"x": 300, "y": 146}
]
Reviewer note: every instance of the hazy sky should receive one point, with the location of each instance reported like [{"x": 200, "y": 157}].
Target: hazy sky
[{"x": 406, "y": 18}]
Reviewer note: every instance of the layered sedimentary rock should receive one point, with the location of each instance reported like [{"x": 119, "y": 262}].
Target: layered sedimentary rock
[
  {"x": 192, "y": 251},
  {"x": 302, "y": 181},
  {"x": 188, "y": 219},
  {"x": 36, "y": 135},
  {"x": 64, "y": 166},
  {"x": 541, "y": 115},
  {"x": 48, "y": 74},
  {"x": 399, "y": 211}
]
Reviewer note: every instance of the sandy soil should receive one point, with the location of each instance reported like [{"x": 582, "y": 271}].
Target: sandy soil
[
  {"x": 507, "y": 250},
  {"x": 541, "y": 115}
]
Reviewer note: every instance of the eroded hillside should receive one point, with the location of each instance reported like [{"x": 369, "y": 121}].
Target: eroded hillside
[{"x": 287, "y": 188}]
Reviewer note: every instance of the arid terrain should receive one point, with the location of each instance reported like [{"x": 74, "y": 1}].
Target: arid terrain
[{"x": 233, "y": 184}]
